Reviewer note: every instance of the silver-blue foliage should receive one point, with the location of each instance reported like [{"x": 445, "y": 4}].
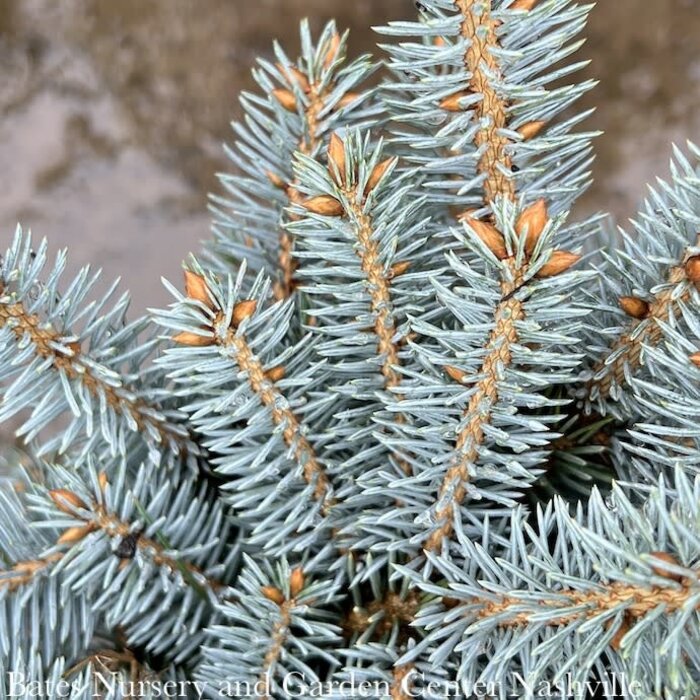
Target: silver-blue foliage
[{"x": 402, "y": 433}]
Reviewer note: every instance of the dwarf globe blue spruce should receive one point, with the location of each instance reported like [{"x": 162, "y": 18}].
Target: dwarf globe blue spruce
[{"x": 408, "y": 429}]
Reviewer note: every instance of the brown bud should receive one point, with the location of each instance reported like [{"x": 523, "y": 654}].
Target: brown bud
[
  {"x": 75, "y": 346},
  {"x": 531, "y": 223},
  {"x": 452, "y": 103},
  {"x": 622, "y": 630},
  {"x": 399, "y": 268},
  {"x": 348, "y": 98},
  {"x": 378, "y": 173},
  {"x": 325, "y": 205},
  {"x": 243, "y": 310},
  {"x": 296, "y": 582},
  {"x": 276, "y": 180},
  {"x": 457, "y": 374},
  {"x": 102, "y": 481},
  {"x": 286, "y": 99},
  {"x": 294, "y": 195},
  {"x": 193, "y": 340},
  {"x": 450, "y": 603},
  {"x": 667, "y": 559},
  {"x": 274, "y": 594},
  {"x": 332, "y": 52},
  {"x": 196, "y": 288},
  {"x": 66, "y": 501},
  {"x": 695, "y": 359},
  {"x": 490, "y": 236},
  {"x": 531, "y": 129},
  {"x": 75, "y": 534},
  {"x": 692, "y": 269},
  {"x": 336, "y": 156},
  {"x": 523, "y": 4},
  {"x": 439, "y": 41},
  {"x": 634, "y": 307},
  {"x": 275, "y": 374},
  {"x": 560, "y": 261},
  {"x": 295, "y": 75}
]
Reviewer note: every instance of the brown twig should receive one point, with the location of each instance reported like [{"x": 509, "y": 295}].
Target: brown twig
[
  {"x": 640, "y": 332},
  {"x": 479, "y": 30},
  {"x": 401, "y": 683},
  {"x": 379, "y": 290},
  {"x": 98, "y": 519},
  {"x": 499, "y": 354},
  {"x": 281, "y": 414},
  {"x": 278, "y": 638},
  {"x": 394, "y": 610},
  {"x": 316, "y": 101},
  {"x": 23, "y": 572},
  {"x": 638, "y": 600},
  {"x": 121, "y": 400}
]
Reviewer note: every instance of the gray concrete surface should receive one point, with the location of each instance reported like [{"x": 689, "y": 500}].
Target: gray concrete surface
[{"x": 113, "y": 112}]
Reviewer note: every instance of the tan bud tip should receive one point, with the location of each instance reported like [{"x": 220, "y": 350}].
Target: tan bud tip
[
  {"x": 666, "y": 558},
  {"x": 75, "y": 534},
  {"x": 325, "y": 205},
  {"x": 276, "y": 180},
  {"x": 695, "y": 359},
  {"x": 286, "y": 98},
  {"x": 490, "y": 236},
  {"x": 634, "y": 307},
  {"x": 193, "y": 340},
  {"x": 692, "y": 269},
  {"x": 336, "y": 157},
  {"x": 348, "y": 98},
  {"x": 243, "y": 310},
  {"x": 560, "y": 261},
  {"x": 275, "y": 374},
  {"x": 103, "y": 481},
  {"x": 296, "y": 76},
  {"x": 439, "y": 41},
  {"x": 273, "y": 593},
  {"x": 531, "y": 223},
  {"x": 332, "y": 51},
  {"x": 378, "y": 172},
  {"x": 531, "y": 129},
  {"x": 452, "y": 103},
  {"x": 457, "y": 374},
  {"x": 66, "y": 501},
  {"x": 524, "y": 5},
  {"x": 196, "y": 288},
  {"x": 400, "y": 268},
  {"x": 296, "y": 582}
]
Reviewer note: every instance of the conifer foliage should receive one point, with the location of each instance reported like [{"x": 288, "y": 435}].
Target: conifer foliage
[{"x": 407, "y": 426}]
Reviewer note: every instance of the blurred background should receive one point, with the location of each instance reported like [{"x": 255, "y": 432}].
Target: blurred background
[{"x": 113, "y": 112}]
